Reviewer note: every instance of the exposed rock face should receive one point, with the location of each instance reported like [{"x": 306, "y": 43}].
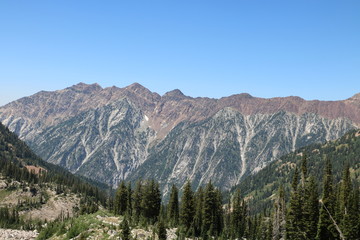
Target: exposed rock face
[
  {"x": 229, "y": 145},
  {"x": 108, "y": 142},
  {"x": 123, "y": 133}
]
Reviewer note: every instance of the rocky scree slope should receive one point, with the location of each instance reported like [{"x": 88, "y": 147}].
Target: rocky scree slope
[{"x": 110, "y": 134}]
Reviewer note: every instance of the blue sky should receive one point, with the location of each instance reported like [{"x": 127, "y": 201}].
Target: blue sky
[{"x": 204, "y": 48}]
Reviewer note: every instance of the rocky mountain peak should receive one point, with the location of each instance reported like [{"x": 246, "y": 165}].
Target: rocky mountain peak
[
  {"x": 141, "y": 91},
  {"x": 244, "y": 95},
  {"x": 86, "y": 88},
  {"x": 356, "y": 97},
  {"x": 136, "y": 87},
  {"x": 354, "y": 100},
  {"x": 174, "y": 94}
]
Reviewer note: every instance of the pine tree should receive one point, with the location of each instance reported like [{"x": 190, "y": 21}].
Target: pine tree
[
  {"x": 303, "y": 170},
  {"x": 219, "y": 213},
  {"x": 163, "y": 213},
  {"x": 269, "y": 231},
  {"x": 199, "y": 203},
  {"x": 279, "y": 221},
  {"x": 351, "y": 220},
  {"x": 187, "y": 209},
  {"x": 345, "y": 190},
  {"x": 151, "y": 201},
  {"x": 294, "y": 217},
  {"x": 227, "y": 230},
  {"x": 207, "y": 211},
  {"x": 121, "y": 199},
  {"x": 310, "y": 208},
  {"x": 238, "y": 216},
  {"x": 137, "y": 199},
  {"x": 326, "y": 226},
  {"x": 349, "y": 206},
  {"x": 130, "y": 200},
  {"x": 263, "y": 229},
  {"x": 173, "y": 206},
  {"x": 161, "y": 230},
  {"x": 125, "y": 230},
  {"x": 212, "y": 212}
]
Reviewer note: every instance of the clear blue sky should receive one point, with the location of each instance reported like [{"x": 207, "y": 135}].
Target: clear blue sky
[{"x": 203, "y": 47}]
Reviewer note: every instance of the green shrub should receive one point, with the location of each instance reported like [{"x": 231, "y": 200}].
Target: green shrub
[
  {"x": 76, "y": 229},
  {"x": 48, "y": 232}
]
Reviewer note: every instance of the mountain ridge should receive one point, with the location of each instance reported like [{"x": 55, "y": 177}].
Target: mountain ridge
[
  {"x": 127, "y": 127},
  {"x": 243, "y": 102}
]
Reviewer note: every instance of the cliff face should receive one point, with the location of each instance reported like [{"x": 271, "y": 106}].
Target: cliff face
[
  {"x": 106, "y": 143},
  {"x": 125, "y": 133}
]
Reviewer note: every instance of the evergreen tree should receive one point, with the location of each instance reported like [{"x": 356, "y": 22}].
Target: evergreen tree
[
  {"x": 349, "y": 206},
  {"x": 212, "y": 212},
  {"x": 187, "y": 209},
  {"x": 238, "y": 216},
  {"x": 310, "y": 209},
  {"x": 279, "y": 220},
  {"x": 199, "y": 203},
  {"x": 263, "y": 229},
  {"x": 326, "y": 226},
  {"x": 219, "y": 213},
  {"x": 130, "y": 200},
  {"x": 345, "y": 190},
  {"x": 351, "y": 219},
  {"x": 173, "y": 206},
  {"x": 227, "y": 230},
  {"x": 125, "y": 230},
  {"x": 137, "y": 199},
  {"x": 161, "y": 230},
  {"x": 121, "y": 199},
  {"x": 294, "y": 217},
  {"x": 163, "y": 213},
  {"x": 338, "y": 216},
  {"x": 303, "y": 170},
  {"x": 207, "y": 211},
  {"x": 269, "y": 231},
  {"x": 151, "y": 201}
]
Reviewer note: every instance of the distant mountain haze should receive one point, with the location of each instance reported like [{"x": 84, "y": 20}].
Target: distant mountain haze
[{"x": 111, "y": 134}]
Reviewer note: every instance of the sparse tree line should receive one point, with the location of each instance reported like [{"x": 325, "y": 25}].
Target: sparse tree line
[
  {"x": 15, "y": 155},
  {"x": 199, "y": 214},
  {"x": 303, "y": 215},
  {"x": 333, "y": 215},
  {"x": 18, "y": 177}
]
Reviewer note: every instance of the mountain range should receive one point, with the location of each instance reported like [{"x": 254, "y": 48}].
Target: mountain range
[{"x": 112, "y": 134}]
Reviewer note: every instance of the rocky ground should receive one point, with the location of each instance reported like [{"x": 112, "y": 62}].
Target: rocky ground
[
  {"x": 56, "y": 206},
  {"x": 10, "y": 234}
]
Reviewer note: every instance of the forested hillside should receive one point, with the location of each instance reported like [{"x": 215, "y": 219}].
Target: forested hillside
[
  {"x": 28, "y": 185},
  {"x": 260, "y": 189}
]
